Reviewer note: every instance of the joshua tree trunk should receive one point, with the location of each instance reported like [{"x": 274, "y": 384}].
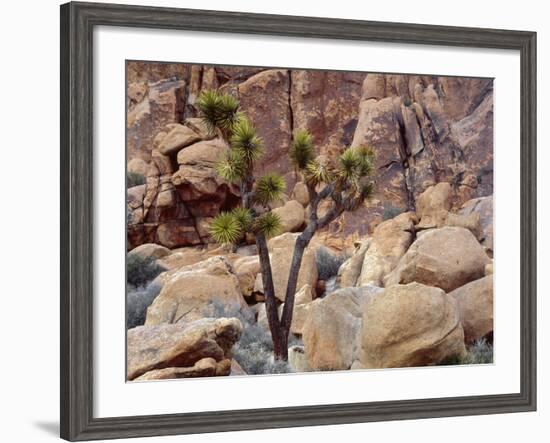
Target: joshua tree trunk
[
  {"x": 280, "y": 348},
  {"x": 280, "y": 329}
]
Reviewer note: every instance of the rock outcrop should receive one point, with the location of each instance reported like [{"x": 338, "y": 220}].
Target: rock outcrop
[
  {"x": 423, "y": 134},
  {"x": 410, "y": 325},
  {"x": 446, "y": 258},
  {"x": 264, "y": 97},
  {"x": 292, "y": 216},
  {"x": 182, "y": 193},
  {"x": 425, "y": 130},
  {"x": 475, "y": 307},
  {"x": 350, "y": 270},
  {"x": 483, "y": 208},
  {"x": 332, "y": 330},
  {"x": 206, "y": 367},
  {"x": 180, "y": 350},
  {"x": 150, "y": 250},
  {"x": 196, "y": 291},
  {"x": 390, "y": 240},
  {"x": 433, "y": 207},
  {"x": 151, "y": 106}
]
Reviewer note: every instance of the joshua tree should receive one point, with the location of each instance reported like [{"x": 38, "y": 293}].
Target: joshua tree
[{"x": 345, "y": 182}]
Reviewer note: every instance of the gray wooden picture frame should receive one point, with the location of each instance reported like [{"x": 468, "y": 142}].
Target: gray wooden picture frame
[{"x": 77, "y": 23}]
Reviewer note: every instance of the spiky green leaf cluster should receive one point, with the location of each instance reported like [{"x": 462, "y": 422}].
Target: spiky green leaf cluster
[
  {"x": 301, "y": 149},
  {"x": 245, "y": 142},
  {"x": 218, "y": 110},
  {"x": 225, "y": 228},
  {"x": 317, "y": 173},
  {"x": 268, "y": 224},
  {"x": 352, "y": 178},
  {"x": 243, "y": 217},
  {"x": 269, "y": 188},
  {"x": 355, "y": 163},
  {"x": 232, "y": 167},
  {"x": 229, "y": 227},
  {"x": 349, "y": 165}
]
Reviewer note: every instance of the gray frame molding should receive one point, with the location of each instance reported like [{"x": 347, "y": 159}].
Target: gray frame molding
[{"x": 77, "y": 23}]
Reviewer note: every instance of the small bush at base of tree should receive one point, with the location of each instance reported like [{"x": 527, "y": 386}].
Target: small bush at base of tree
[{"x": 254, "y": 350}]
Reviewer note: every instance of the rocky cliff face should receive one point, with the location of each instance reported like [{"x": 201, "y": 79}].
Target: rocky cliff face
[{"x": 424, "y": 129}]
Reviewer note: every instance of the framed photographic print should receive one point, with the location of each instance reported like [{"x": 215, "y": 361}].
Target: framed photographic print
[{"x": 255, "y": 234}]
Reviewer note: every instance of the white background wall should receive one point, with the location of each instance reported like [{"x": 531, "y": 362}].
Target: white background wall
[{"x": 29, "y": 294}]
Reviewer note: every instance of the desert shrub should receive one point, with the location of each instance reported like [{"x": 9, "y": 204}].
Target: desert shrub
[
  {"x": 137, "y": 302},
  {"x": 328, "y": 263},
  {"x": 141, "y": 270},
  {"x": 220, "y": 310},
  {"x": 390, "y": 211},
  {"x": 481, "y": 352},
  {"x": 134, "y": 179},
  {"x": 254, "y": 350}
]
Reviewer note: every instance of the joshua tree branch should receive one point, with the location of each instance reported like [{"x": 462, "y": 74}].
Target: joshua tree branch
[{"x": 301, "y": 243}]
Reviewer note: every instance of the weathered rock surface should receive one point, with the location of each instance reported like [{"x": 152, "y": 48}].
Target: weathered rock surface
[
  {"x": 483, "y": 207},
  {"x": 193, "y": 292},
  {"x": 475, "y": 306},
  {"x": 390, "y": 240},
  {"x": 249, "y": 263},
  {"x": 446, "y": 258},
  {"x": 326, "y": 103},
  {"x": 433, "y": 205},
  {"x": 177, "y": 138},
  {"x": 151, "y": 107},
  {"x": 180, "y": 345},
  {"x": 145, "y": 72},
  {"x": 264, "y": 97},
  {"x": 332, "y": 330},
  {"x": 425, "y": 130},
  {"x": 410, "y": 325},
  {"x": 424, "y": 134},
  {"x": 137, "y": 166},
  {"x": 292, "y": 216},
  {"x": 175, "y": 207},
  {"x": 150, "y": 250},
  {"x": 300, "y": 194},
  {"x": 192, "y": 254},
  {"x": 349, "y": 272},
  {"x": 207, "y": 367},
  {"x": 297, "y": 359}
]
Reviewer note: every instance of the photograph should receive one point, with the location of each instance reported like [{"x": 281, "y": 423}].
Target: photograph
[{"x": 284, "y": 221}]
